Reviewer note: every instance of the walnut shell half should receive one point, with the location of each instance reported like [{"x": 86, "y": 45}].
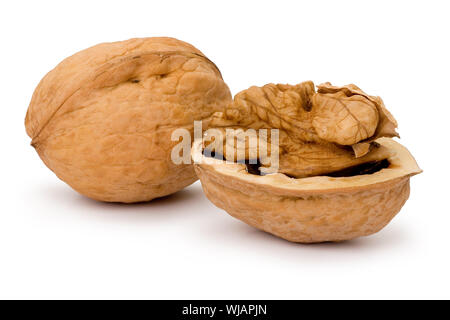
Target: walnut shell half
[
  {"x": 312, "y": 209},
  {"x": 102, "y": 119}
]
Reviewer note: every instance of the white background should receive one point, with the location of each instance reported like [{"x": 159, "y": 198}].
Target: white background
[{"x": 55, "y": 243}]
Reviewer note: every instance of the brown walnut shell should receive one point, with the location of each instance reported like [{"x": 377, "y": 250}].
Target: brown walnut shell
[
  {"x": 102, "y": 119},
  {"x": 311, "y": 209}
]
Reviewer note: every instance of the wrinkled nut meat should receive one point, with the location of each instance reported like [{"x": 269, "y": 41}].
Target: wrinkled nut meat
[
  {"x": 102, "y": 119},
  {"x": 340, "y": 175}
]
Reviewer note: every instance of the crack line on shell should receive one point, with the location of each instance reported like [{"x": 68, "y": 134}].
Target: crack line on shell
[{"x": 136, "y": 55}]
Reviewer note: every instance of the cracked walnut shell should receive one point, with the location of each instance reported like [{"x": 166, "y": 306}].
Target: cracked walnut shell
[
  {"x": 102, "y": 119},
  {"x": 311, "y": 209}
]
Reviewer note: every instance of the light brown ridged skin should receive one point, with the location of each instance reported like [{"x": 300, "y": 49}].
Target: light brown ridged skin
[
  {"x": 308, "y": 218},
  {"x": 102, "y": 119},
  {"x": 314, "y": 209}
]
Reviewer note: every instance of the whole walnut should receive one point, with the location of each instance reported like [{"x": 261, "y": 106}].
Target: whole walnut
[{"x": 102, "y": 119}]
